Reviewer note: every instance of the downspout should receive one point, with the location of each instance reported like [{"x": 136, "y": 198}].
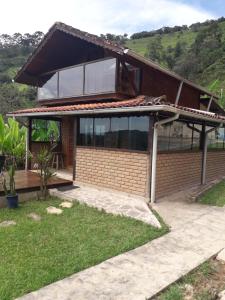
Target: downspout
[
  {"x": 154, "y": 153},
  {"x": 204, "y": 155}
]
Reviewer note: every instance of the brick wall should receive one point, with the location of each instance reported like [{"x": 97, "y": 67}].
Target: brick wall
[
  {"x": 128, "y": 172},
  {"x": 120, "y": 170},
  {"x": 176, "y": 171}
]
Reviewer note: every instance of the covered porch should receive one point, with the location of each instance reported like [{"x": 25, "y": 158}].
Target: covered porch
[{"x": 143, "y": 146}]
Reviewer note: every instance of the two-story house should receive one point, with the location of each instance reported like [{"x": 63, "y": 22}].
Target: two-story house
[{"x": 125, "y": 122}]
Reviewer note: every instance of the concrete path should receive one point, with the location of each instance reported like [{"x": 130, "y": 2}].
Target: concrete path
[
  {"x": 198, "y": 232},
  {"x": 111, "y": 201}
]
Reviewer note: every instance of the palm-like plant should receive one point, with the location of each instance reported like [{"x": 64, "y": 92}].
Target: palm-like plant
[{"x": 13, "y": 146}]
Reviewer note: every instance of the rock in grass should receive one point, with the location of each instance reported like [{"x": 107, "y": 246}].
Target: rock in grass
[
  {"x": 7, "y": 223},
  {"x": 34, "y": 216},
  {"x": 66, "y": 204},
  {"x": 54, "y": 210},
  {"x": 221, "y": 295},
  {"x": 188, "y": 292},
  {"x": 221, "y": 256}
]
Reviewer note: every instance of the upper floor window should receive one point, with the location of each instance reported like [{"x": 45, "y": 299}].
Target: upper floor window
[{"x": 86, "y": 79}]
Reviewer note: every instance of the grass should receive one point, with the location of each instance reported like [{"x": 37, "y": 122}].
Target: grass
[
  {"x": 36, "y": 253},
  {"x": 214, "y": 196},
  {"x": 168, "y": 39},
  {"x": 206, "y": 281}
]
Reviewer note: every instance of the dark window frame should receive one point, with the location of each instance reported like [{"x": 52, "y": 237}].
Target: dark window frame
[
  {"x": 128, "y": 149},
  {"x": 191, "y": 149}
]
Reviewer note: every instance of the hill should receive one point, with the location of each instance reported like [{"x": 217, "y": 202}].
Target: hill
[
  {"x": 14, "y": 50},
  {"x": 197, "y": 54}
]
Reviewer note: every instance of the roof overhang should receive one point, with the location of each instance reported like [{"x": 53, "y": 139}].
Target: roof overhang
[
  {"x": 50, "y": 55},
  {"x": 188, "y": 113}
]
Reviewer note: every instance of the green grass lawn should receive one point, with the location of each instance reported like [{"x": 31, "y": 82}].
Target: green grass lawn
[
  {"x": 215, "y": 195},
  {"x": 36, "y": 253}
]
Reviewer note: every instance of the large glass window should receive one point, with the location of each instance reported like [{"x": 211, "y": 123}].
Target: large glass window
[
  {"x": 119, "y": 133},
  {"x": 216, "y": 138},
  {"x": 71, "y": 82},
  {"x": 86, "y": 79},
  {"x": 86, "y": 132},
  {"x": 178, "y": 136},
  {"x": 138, "y": 127},
  {"x": 100, "y": 76},
  {"x": 45, "y": 131},
  {"x": 115, "y": 132},
  {"x": 50, "y": 89},
  {"x": 101, "y": 131}
]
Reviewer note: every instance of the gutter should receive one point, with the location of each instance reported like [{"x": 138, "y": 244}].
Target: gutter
[
  {"x": 154, "y": 108},
  {"x": 154, "y": 153}
]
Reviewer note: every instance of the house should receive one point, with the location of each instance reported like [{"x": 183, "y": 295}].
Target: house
[{"x": 125, "y": 122}]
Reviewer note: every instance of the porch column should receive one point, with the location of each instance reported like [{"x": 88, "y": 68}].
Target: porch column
[
  {"x": 74, "y": 147},
  {"x": 204, "y": 155},
  {"x": 154, "y": 152},
  {"x": 28, "y": 139}
]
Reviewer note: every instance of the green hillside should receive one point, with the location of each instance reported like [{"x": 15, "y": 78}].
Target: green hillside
[
  {"x": 14, "y": 50},
  {"x": 169, "y": 39},
  {"x": 198, "y": 54}
]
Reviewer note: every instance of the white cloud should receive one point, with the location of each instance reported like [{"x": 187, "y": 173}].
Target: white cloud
[{"x": 97, "y": 16}]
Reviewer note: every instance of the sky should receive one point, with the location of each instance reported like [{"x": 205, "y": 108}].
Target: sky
[{"x": 103, "y": 16}]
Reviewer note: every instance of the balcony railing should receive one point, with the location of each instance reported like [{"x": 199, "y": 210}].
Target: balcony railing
[{"x": 91, "y": 78}]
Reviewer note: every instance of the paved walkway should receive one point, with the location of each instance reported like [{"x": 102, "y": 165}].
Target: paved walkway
[
  {"x": 111, "y": 201},
  {"x": 198, "y": 232}
]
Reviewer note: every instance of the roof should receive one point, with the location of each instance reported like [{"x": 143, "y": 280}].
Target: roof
[
  {"x": 24, "y": 74},
  {"x": 139, "y": 104}
]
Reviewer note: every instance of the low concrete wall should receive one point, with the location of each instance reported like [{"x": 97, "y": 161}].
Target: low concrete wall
[{"x": 23, "y": 197}]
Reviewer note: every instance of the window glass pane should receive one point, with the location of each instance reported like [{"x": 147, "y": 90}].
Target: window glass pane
[
  {"x": 216, "y": 138},
  {"x": 71, "y": 82},
  {"x": 164, "y": 137},
  {"x": 101, "y": 130},
  {"x": 49, "y": 89},
  {"x": 138, "y": 127},
  {"x": 212, "y": 139},
  {"x": 119, "y": 133},
  {"x": 220, "y": 138},
  {"x": 126, "y": 75},
  {"x": 196, "y": 137},
  {"x": 186, "y": 138},
  {"x": 100, "y": 76},
  {"x": 176, "y": 134},
  {"x": 45, "y": 131},
  {"x": 85, "y": 137}
]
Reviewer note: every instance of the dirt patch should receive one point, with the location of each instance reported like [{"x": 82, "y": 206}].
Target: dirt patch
[{"x": 205, "y": 283}]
